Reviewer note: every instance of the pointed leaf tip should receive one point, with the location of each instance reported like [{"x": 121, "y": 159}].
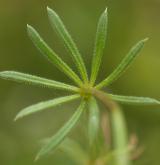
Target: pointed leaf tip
[
  {"x": 30, "y": 30},
  {"x": 49, "y": 9},
  {"x": 36, "y": 158},
  {"x": 1, "y": 73},
  {"x": 145, "y": 40},
  {"x": 157, "y": 101},
  {"x": 17, "y": 117},
  {"x": 29, "y": 27},
  {"x": 106, "y": 10},
  {"x": 51, "y": 12}
]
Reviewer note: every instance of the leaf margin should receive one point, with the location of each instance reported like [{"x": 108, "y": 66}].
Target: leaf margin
[
  {"x": 43, "y": 47},
  {"x": 36, "y": 80},
  {"x": 124, "y": 64},
  {"x": 59, "y": 27},
  {"x": 99, "y": 45},
  {"x": 45, "y": 105},
  {"x": 134, "y": 100},
  {"x": 70, "y": 123}
]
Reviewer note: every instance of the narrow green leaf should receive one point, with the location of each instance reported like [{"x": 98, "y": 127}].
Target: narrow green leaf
[
  {"x": 51, "y": 55},
  {"x": 60, "y": 28},
  {"x": 73, "y": 149},
  {"x": 93, "y": 121},
  {"x": 56, "y": 140},
  {"x": 134, "y": 100},
  {"x": 35, "y": 80},
  {"x": 120, "y": 137},
  {"x": 122, "y": 67},
  {"x": 99, "y": 45},
  {"x": 45, "y": 105}
]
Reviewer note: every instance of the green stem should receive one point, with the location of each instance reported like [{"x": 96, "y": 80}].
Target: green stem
[
  {"x": 93, "y": 128},
  {"x": 120, "y": 137},
  {"x": 119, "y": 130}
]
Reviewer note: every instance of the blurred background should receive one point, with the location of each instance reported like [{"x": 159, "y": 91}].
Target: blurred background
[{"x": 129, "y": 21}]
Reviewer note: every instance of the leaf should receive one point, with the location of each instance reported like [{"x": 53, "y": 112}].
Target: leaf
[
  {"x": 120, "y": 137},
  {"x": 35, "y": 80},
  {"x": 99, "y": 45},
  {"x": 122, "y": 67},
  {"x": 73, "y": 149},
  {"x": 93, "y": 121},
  {"x": 60, "y": 28},
  {"x": 57, "y": 139},
  {"x": 134, "y": 100},
  {"x": 51, "y": 55},
  {"x": 45, "y": 105}
]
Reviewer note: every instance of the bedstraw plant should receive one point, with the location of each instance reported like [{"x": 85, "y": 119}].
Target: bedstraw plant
[{"x": 88, "y": 91}]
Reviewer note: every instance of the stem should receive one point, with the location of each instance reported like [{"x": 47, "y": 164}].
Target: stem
[
  {"x": 105, "y": 125},
  {"x": 120, "y": 139},
  {"x": 93, "y": 130}
]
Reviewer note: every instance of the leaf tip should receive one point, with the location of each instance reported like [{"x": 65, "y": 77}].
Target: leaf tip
[
  {"x": 49, "y": 9},
  {"x": 157, "y": 101},
  {"x": 105, "y": 11},
  {"x": 29, "y": 26},
  {"x": 16, "y": 118},
  {"x": 2, "y": 72},
  {"x": 145, "y": 40},
  {"x": 36, "y": 158},
  {"x": 51, "y": 12}
]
